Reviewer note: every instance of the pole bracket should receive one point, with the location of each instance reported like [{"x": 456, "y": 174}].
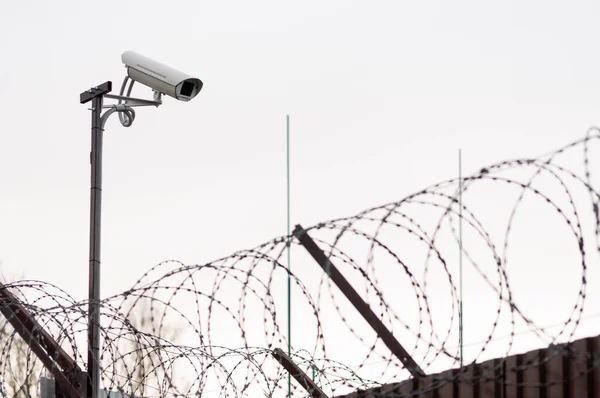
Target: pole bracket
[{"x": 94, "y": 92}]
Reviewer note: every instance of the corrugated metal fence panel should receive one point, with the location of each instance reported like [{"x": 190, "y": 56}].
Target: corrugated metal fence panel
[
  {"x": 469, "y": 381},
  {"x": 596, "y": 370},
  {"x": 531, "y": 373},
  {"x": 513, "y": 377},
  {"x": 588, "y": 367},
  {"x": 554, "y": 372},
  {"x": 491, "y": 372},
  {"x": 559, "y": 371}
]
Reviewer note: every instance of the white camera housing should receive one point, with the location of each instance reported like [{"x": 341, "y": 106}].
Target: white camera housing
[{"x": 160, "y": 77}]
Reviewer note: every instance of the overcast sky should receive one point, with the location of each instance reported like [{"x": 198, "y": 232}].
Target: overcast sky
[{"x": 381, "y": 95}]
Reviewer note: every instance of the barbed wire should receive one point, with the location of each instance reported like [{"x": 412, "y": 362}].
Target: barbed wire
[{"x": 209, "y": 329}]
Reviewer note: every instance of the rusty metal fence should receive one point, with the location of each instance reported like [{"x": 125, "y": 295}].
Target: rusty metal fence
[{"x": 560, "y": 371}]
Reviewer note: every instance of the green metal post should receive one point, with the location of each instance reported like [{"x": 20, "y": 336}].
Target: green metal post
[
  {"x": 460, "y": 220},
  {"x": 289, "y": 262}
]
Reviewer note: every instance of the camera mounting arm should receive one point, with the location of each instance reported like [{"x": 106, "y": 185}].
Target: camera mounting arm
[
  {"x": 129, "y": 101},
  {"x": 125, "y": 103}
]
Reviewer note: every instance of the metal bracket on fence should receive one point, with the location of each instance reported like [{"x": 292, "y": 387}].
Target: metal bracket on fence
[
  {"x": 362, "y": 307},
  {"x": 70, "y": 380},
  {"x": 298, "y": 374}
]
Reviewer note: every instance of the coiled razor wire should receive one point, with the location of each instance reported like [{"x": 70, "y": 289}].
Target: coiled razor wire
[{"x": 209, "y": 329}]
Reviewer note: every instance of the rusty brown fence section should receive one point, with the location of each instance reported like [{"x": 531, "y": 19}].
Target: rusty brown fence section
[{"x": 559, "y": 371}]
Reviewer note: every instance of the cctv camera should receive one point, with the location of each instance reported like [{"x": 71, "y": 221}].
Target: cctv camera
[{"x": 160, "y": 77}]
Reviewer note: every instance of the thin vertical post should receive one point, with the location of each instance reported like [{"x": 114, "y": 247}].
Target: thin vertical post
[
  {"x": 289, "y": 246},
  {"x": 460, "y": 221},
  {"x": 94, "y": 259}
]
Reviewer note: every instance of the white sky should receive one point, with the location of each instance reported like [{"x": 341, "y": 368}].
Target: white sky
[{"x": 381, "y": 96}]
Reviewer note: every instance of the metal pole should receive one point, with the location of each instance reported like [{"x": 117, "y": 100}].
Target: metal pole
[
  {"x": 289, "y": 247},
  {"x": 94, "y": 263},
  {"x": 460, "y": 220}
]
